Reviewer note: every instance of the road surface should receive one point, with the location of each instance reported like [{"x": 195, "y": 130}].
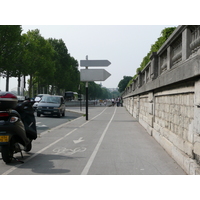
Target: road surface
[{"x": 111, "y": 142}]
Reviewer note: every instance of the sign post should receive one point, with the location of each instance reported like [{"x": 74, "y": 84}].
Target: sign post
[
  {"x": 86, "y": 92},
  {"x": 93, "y": 74}
]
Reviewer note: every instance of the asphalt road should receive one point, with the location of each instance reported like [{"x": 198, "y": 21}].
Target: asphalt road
[
  {"x": 111, "y": 142},
  {"x": 44, "y": 123}
]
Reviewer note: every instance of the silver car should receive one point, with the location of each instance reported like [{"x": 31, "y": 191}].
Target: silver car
[{"x": 51, "y": 105}]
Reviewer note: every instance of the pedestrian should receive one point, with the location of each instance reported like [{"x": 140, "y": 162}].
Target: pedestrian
[
  {"x": 121, "y": 102},
  {"x": 113, "y": 102},
  {"x": 118, "y": 101}
]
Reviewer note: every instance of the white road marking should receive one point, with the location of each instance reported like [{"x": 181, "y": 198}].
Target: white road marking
[
  {"x": 31, "y": 157},
  {"x": 68, "y": 151},
  {"x": 92, "y": 157},
  {"x": 78, "y": 141},
  {"x": 40, "y": 125},
  {"x": 45, "y": 132}
]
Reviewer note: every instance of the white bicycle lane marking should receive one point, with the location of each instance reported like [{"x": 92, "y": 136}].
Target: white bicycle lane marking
[
  {"x": 63, "y": 150},
  {"x": 48, "y": 146}
]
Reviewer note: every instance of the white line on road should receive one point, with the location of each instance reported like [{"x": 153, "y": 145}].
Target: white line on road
[
  {"x": 43, "y": 133},
  {"x": 92, "y": 157},
  {"x": 37, "y": 124},
  {"x": 31, "y": 157}
]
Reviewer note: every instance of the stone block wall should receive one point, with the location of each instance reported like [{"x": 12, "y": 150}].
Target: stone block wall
[
  {"x": 168, "y": 116},
  {"x": 175, "y": 113},
  {"x": 165, "y": 97}
]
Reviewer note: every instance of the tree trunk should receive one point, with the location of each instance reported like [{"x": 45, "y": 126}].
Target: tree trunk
[
  {"x": 24, "y": 87},
  {"x": 7, "y": 80},
  {"x": 30, "y": 86},
  {"x": 18, "y": 86},
  {"x": 24, "y": 82}
]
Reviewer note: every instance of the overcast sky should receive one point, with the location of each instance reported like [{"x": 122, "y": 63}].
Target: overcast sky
[
  {"x": 123, "y": 45},
  {"x": 121, "y": 32}
]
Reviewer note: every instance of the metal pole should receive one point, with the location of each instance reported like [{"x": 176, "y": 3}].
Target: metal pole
[
  {"x": 86, "y": 87},
  {"x": 86, "y": 93}
]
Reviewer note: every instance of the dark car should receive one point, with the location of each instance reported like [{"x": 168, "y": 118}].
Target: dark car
[
  {"x": 51, "y": 105},
  {"x": 37, "y": 100}
]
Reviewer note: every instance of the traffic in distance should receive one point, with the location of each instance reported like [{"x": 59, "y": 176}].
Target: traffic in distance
[{"x": 20, "y": 123}]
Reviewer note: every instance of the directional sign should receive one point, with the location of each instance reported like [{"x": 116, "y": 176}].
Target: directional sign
[
  {"x": 94, "y": 63},
  {"x": 94, "y": 75}
]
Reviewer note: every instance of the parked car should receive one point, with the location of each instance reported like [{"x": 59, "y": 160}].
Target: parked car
[
  {"x": 51, "y": 105},
  {"x": 37, "y": 100}
]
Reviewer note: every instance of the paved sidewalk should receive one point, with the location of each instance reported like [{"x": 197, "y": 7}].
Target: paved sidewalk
[{"x": 125, "y": 147}]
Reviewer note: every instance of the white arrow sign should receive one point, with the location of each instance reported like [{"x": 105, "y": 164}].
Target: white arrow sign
[
  {"x": 94, "y": 63},
  {"x": 94, "y": 75},
  {"x": 78, "y": 141}
]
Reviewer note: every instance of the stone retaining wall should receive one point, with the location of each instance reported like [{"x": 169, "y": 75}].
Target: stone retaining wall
[{"x": 166, "y": 100}]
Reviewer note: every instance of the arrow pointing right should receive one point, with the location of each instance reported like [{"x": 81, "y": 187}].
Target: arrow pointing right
[{"x": 94, "y": 75}]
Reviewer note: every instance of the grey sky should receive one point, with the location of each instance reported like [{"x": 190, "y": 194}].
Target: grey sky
[
  {"x": 123, "y": 45},
  {"x": 111, "y": 30}
]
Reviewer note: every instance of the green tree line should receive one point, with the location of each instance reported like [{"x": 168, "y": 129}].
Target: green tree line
[
  {"x": 127, "y": 80},
  {"x": 47, "y": 62},
  {"x": 96, "y": 91}
]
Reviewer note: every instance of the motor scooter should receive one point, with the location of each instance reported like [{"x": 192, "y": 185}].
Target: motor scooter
[{"x": 17, "y": 126}]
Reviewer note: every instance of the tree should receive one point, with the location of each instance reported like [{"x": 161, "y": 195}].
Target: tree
[
  {"x": 165, "y": 33},
  {"x": 66, "y": 76},
  {"x": 38, "y": 58},
  {"x": 73, "y": 75},
  {"x": 10, "y": 37},
  {"x": 123, "y": 83},
  {"x": 115, "y": 94}
]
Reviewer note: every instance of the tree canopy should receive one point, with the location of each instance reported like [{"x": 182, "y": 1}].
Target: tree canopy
[
  {"x": 10, "y": 38},
  {"x": 38, "y": 58},
  {"x": 165, "y": 33},
  {"x": 123, "y": 83},
  {"x": 47, "y": 62}
]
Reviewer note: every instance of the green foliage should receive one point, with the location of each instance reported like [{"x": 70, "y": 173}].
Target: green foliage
[
  {"x": 66, "y": 76},
  {"x": 46, "y": 61},
  {"x": 115, "y": 94},
  {"x": 165, "y": 33},
  {"x": 10, "y": 36},
  {"x": 123, "y": 83},
  {"x": 96, "y": 91},
  {"x": 38, "y": 58}
]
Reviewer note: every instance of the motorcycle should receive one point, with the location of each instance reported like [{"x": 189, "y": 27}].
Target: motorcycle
[{"x": 17, "y": 126}]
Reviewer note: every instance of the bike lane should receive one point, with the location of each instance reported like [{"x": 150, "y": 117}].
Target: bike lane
[
  {"x": 63, "y": 150},
  {"x": 111, "y": 142}
]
